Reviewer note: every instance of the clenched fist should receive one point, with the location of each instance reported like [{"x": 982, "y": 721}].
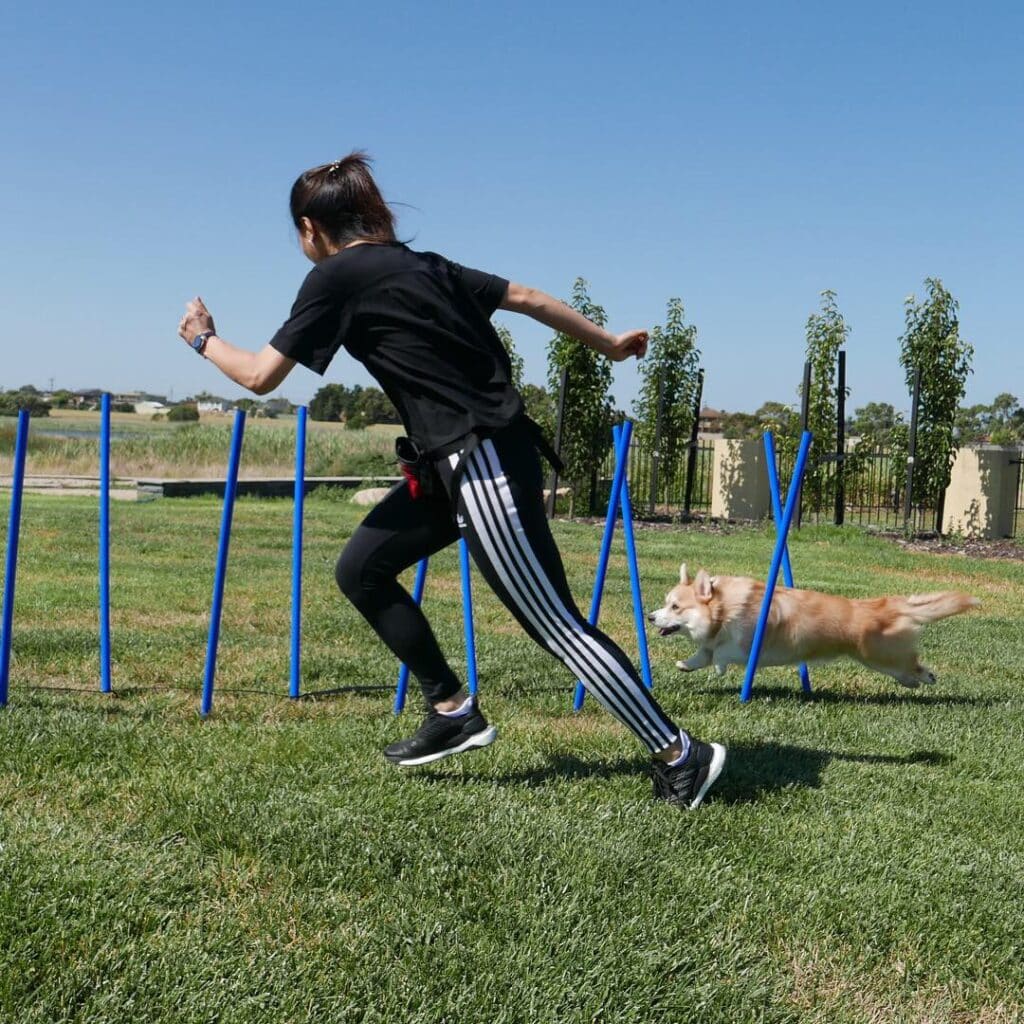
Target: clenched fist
[{"x": 196, "y": 320}]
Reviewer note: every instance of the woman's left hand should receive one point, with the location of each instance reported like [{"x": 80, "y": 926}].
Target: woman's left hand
[
  {"x": 632, "y": 343},
  {"x": 197, "y": 319}
]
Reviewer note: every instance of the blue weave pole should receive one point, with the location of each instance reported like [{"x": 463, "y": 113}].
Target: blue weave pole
[
  {"x": 634, "y": 582},
  {"x": 787, "y": 568},
  {"x": 11, "y": 564},
  {"x": 773, "y": 572},
  {"x": 467, "y": 617},
  {"x": 298, "y": 505},
  {"x": 230, "y": 487},
  {"x": 621, "y": 459},
  {"x": 403, "y": 672},
  {"x": 104, "y": 552}
]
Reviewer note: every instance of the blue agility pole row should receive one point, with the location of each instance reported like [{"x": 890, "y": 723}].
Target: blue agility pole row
[
  {"x": 773, "y": 572},
  {"x": 467, "y": 617},
  {"x": 621, "y": 458},
  {"x": 230, "y": 487},
  {"x": 634, "y": 581},
  {"x": 403, "y": 672},
  {"x": 787, "y": 568},
  {"x": 297, "y": 513},
  {"x": 104, "y": 552},
  {"x": 11, "y": 565}
]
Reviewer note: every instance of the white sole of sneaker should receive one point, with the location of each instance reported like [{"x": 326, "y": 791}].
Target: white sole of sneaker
[
  {"x": 481, "y": 739},
  {"x": 714, "y": 770}
]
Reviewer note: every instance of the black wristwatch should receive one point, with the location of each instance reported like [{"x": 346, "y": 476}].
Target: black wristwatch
[{"x": 200, "y": 340}]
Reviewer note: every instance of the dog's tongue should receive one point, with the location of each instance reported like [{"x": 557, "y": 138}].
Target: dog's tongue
[{"x": 666, "y": 630}]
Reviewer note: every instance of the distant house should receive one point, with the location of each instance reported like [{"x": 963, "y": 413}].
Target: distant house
[
  {"x": 150, "y": 407},
  {"x": 709, "y": 423},
  {"x": 213, "y": 405},
  {"x": 88, "y": 398}
]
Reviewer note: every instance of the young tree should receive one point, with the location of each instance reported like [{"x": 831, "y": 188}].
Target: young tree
[
  {"x": 826, "y": 335},
  {"x": 540, "y": 406},
  {"x": 514, "y": 357},
  {"x": 587, "y": 422},
  {"x": 669, "y": 374},
  {"x": 931, "y": 342}
]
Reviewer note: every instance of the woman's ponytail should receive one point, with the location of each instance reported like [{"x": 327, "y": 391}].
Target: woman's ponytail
[{"x": 344, "y": 200}]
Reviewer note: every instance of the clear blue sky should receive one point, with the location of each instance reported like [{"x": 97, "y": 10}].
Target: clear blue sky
[{"x": 742, "y": 156}]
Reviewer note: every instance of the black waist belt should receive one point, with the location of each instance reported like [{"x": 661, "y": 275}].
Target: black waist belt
[{"x": 466, "y": 446}]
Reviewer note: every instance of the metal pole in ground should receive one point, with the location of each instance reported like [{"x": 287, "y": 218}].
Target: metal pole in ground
[
  {"x": 230, "y": 487},
  {"x": 621, "y": 459},
  {"x": 104, "y": 552},
  {"x": 298, "y": 508},
  {"x": 908, "y": 495},
  {"x": 634, "y": 585},
  {"x": 403, "y": 672},
  {"x": 467, "y": 617},
  {"x": 773, "y": 572},
  {"x": 805, "y": 416},
  {"x": 787, "y": 568},
  {"x": 11, "y": 564},
  {"x": 656, "y": 454},
  {"x": 841, "y": 441},
  {"x": 691, "y": 455},
  {"x": 562, "y": 387}
]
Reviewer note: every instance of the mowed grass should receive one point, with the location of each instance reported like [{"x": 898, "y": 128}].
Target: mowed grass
[{"x": 861, "y": 859}]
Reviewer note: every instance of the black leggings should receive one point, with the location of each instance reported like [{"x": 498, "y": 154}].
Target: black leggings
[{"x": 500, "y": 512}]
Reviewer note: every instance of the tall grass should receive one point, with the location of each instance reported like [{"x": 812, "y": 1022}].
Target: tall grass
[{"x": 202, "y": 449}]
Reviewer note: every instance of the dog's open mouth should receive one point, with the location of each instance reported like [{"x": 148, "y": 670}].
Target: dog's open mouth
[{"x": 668, "y": 630}]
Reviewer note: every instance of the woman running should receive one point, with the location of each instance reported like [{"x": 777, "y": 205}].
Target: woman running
[{"x": 421, "y": 325}]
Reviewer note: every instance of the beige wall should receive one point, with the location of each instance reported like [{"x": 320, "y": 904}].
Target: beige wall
[
  {"x": 982, "y": 492},
  {"x": 739, "y": 480}
]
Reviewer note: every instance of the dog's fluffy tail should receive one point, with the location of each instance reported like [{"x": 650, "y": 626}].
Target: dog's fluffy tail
[{"x": 929, "y": 607}]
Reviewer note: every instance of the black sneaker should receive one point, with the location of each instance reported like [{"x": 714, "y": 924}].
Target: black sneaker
[
  {"x": 687, "y": 784},
  {"x": 441, "y": 736}
]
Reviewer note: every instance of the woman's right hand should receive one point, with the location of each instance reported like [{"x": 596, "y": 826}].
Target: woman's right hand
[{"x": 632, "y": 343}]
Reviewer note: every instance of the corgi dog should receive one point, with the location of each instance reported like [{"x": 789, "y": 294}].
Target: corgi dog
[{"x": 719, "y": 613}]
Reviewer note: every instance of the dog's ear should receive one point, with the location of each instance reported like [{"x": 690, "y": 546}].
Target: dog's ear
[
  {"x": 684, "y": 576},
  {"x": 702, "y": 586}
]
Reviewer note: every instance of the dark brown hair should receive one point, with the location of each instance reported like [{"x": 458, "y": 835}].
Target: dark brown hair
[{"x": 344, "y": 200}]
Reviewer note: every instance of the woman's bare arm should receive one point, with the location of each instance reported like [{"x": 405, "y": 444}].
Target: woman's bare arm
[
  {"x": 260, "y": 372},
  {"x": 553, "y": 313}
]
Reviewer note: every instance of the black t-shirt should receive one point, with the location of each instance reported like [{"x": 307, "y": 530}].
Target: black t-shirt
[{"x": 421, "y": 325}]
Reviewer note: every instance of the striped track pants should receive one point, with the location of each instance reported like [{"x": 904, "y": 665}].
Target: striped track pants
[{"x": 500, "y": 513}]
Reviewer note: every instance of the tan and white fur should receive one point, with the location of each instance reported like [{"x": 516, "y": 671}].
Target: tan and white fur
[{"x": 719, "y": 613}]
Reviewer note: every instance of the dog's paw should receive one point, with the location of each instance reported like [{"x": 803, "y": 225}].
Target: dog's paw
[{"x": 683, "y": 667}]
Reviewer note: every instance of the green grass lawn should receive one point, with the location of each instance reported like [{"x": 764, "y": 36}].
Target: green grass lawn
[{"x": 861, "y": 859}]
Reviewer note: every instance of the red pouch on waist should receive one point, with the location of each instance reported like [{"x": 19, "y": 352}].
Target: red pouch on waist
[{"x": 415, "y": 490}]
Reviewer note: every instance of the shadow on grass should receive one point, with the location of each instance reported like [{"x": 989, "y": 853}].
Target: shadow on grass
[
  {"x": 897, "y": 698},
  {"x": 337, "y": 691},
  {"x": 752, "y": 770}
]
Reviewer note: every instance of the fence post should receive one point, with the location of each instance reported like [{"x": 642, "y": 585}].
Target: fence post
[
  {"x": 562, "y": 385},
  {"x": 805, "y": 415},
  {"x": 841, "y": 441},
  {"x": 691, "y": 455},
  {"x": 911, "y": 452},
  {"x": 656, "y": 454}
]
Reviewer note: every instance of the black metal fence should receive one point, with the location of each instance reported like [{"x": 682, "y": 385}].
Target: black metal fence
[
  {"x": 680, "y": 488},
  {"x": 865, "y": 488}
]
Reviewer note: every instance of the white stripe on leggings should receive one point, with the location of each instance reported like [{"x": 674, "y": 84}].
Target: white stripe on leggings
[
  {"x": 630, "y": 698},
  {"x": 489, "y": 502}
]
